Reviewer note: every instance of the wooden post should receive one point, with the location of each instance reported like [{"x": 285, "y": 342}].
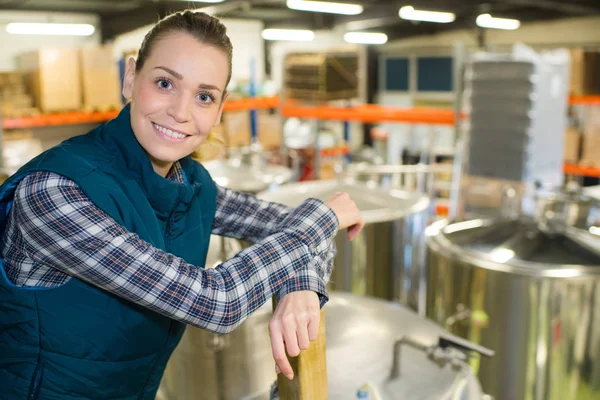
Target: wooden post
[{"x": 310, "y": 371}]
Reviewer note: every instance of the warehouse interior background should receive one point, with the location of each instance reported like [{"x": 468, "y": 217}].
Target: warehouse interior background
[{"x": 428, "y": 97}]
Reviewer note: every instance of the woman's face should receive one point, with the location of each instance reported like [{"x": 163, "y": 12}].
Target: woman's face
[{"x": 176, "y": 98}]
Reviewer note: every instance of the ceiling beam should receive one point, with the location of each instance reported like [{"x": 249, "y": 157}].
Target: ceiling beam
[{"x": 561, "y": 6}]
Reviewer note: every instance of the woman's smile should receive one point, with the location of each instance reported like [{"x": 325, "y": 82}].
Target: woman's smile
[{"x": 169, "y": 134}]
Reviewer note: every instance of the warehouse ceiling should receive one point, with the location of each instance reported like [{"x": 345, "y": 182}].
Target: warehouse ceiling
[{"x": 119, "y": 16}]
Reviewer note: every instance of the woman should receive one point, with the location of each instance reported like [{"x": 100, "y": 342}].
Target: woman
[{"x": 104, "y": 238}]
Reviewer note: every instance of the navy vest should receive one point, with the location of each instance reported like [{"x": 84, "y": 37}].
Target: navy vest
[{"x": 80, "y": 342}]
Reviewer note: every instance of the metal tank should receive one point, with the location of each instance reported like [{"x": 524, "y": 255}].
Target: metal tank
[
  {"x": 528, "y": 288},
  {"x": 248, "y": 171},
  {"x": 385, "y": 259},
  {"x": 371, "y": 344}
]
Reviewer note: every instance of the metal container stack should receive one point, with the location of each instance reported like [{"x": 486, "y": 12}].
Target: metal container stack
[
  {"x": 519, "y": 269},
  {"x": 516, "y": 106}
]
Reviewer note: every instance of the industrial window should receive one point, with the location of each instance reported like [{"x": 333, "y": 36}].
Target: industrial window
[
  {"x": 396, "y": 74},
  {"x": 434, "y": 74}
]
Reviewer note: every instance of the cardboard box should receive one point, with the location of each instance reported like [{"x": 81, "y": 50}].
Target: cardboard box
[
  {"x": 236, "y": 129},
  {"x": 585, "y": 70},
  {"x": 11, "y": 78},
  {"x": 572, "y": 143},
  {"x": 100, "y": 78},
  {"x": 591, "y": 150},
  {"x": 270, "y": 130},
  {"x": 53, "y": 78}
]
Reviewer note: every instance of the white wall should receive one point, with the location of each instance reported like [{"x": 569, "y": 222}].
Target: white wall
[
  {"x": 12, "y": 45},
  {"x": 244, "y": 35}
]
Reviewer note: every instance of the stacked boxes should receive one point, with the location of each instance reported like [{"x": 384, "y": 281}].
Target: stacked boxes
[
  {"x": 100, "y": 79},
  {"x": 321, "y": 77},
  {"x": 15, "y": 101},
  {"x": 70, "y": 79},
  {"x": 53, "y": 77},
  {"x": 585, "y": 71}
]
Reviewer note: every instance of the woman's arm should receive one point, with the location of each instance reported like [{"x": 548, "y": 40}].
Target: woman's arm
[
  {"x": 243, "y": 216},
  {"x": 63, "y": 229}
]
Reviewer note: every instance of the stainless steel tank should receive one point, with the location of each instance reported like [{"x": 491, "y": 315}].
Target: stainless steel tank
[
  {"x": 248, "y": 172},
  {"x": 528, "y": 289},
  {"x": 370, "y": 343},
  {"x": 385, "y": 260}
]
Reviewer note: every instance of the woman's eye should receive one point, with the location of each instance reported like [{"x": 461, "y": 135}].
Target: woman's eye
[
  {"x": 164, "y": 84},
  {"x": 205, "y": 98}
]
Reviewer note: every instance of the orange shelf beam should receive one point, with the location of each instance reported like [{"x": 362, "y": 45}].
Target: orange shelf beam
[
  {"x": 68, "y": 118},
  {"x": 251, "y": 103},
  {"x": 591, "y": 172},
  {"x": 372, "y": 113},
  {"x": 584, "y": 100},
  {"x": 72, "y": 118}
]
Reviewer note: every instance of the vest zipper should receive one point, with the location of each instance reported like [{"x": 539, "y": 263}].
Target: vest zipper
[{"x": 35, "y": 385}]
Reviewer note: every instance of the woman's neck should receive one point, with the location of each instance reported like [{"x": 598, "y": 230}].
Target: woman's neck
[{"x": 160, "y": 167}]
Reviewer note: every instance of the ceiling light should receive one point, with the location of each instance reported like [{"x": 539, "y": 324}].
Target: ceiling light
[
  {"x": 487, "y": 21},
  {"x": 325, "y": 7},
  {"x": 205, "y": 1},
  {"x": 407, "y": 12},
  {"x": 27, "y": 28},
  {"x": 365, "y": 37},
  {"x": 298, "y": 35}
]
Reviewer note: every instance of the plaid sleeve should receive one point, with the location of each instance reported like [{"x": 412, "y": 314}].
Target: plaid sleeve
[
  {"x": 244, "y": 216},
  {"x": 315, "y": 277},
  {"x": 63, "y": 229}
]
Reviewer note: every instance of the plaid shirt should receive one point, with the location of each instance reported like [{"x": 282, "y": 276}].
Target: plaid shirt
[{"x": 54, "y": 232}]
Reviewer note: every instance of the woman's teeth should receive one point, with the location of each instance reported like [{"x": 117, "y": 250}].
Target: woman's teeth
[{"x": 168, "y": 132}]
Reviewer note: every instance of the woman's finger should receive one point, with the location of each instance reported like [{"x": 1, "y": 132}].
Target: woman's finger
[
  {"x": 303, "y": 337},
  {"x": 290, "y": 337},
  {"x": 313, "y": 326},
  {"x": 278, "y": 349}
]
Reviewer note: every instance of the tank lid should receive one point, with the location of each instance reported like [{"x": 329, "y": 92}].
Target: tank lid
[
  {"x": 245, "y": 178},
  {"x": 520, "y": 246},
  {"x": 376, "y": 204}
]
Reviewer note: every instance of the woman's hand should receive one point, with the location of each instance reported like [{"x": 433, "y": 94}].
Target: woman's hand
[
  {"x": 294, "y": 325},
  {"x": 347, "y": 213}
]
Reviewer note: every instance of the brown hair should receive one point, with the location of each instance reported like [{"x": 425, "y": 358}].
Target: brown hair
[{"x": 205, "y": 28}]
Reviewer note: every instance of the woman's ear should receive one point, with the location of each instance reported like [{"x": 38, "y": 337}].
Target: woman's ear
[{"x": 129, "y": 78}]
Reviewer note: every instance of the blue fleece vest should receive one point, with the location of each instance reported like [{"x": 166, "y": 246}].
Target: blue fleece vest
[{"x": 77, "y": 341}]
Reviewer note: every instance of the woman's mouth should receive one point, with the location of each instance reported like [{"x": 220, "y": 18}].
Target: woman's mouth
[{"x": 168, "y": 134}]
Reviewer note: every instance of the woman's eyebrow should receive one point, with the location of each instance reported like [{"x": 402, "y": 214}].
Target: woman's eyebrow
[
  {"x": 177, "y": 75},
  {"x": 169, "y": 70}
]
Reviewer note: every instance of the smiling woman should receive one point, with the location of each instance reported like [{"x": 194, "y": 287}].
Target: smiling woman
[
  {"x": 177, "y": 96},
  {"x": 104, "y": 238}
]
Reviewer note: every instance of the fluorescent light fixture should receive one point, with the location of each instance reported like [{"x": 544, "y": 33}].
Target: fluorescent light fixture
[
  {"x": 27, "y": 28},
  {"x": 487, "y": 21},
  {"x": 365, "y": 37},
  {"x": 409, "y": 13},
  {"x": 204, "y": 1},
  {"x": 298, "y": 35},
  {"x": 325, "y": 7}
]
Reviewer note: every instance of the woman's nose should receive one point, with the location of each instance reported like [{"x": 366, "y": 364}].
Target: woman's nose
[{"x": 180, "y": 109}]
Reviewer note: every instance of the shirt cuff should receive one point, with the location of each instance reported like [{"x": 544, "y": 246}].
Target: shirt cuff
[
  {"x": 313, "y": 222},
  {"x": 305, "y": 280}
]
